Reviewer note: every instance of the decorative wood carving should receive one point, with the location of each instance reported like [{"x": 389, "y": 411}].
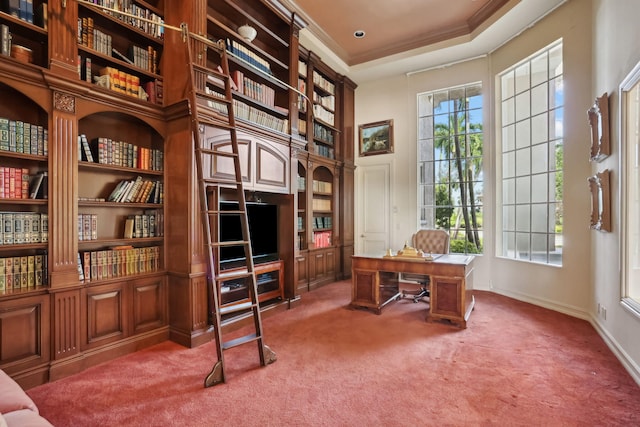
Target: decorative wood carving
[{"x": 64, "y": 102}]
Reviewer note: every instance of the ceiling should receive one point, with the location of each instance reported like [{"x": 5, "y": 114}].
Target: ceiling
[
  {"x": 399, "y": 32},
  {"x": 394, "y": 26}
]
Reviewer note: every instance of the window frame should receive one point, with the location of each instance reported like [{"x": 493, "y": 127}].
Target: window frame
[
  {"x": 511, "y": 120},
  {"x": 631, "y": 81},
  {"x": 437, "y": 162}
]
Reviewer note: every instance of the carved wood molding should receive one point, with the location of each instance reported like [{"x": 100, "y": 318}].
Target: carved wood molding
[{"x": 64, "y": 102}]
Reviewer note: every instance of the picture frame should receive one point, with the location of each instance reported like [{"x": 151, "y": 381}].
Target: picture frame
[
  {"x": 599, "y": 121},
  {"x": 600, "y": 201},
  {"x": 376, "y": 138}
]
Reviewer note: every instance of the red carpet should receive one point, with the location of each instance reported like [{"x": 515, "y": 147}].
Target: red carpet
[{"x": 515, "y": 365}]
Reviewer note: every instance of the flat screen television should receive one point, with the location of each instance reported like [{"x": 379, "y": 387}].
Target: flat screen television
[{"x": 263, "y": 227}]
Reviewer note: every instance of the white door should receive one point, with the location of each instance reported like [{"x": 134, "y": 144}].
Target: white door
[{"x": 374, "y": 203}]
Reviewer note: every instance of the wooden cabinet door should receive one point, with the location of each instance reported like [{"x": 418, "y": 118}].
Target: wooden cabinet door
[
  {"x": 104, "y": 314},
  {"x": 24, "y": 333},
  {"x": 302, "y": 270},
  {"x": 149, "y": 302}
]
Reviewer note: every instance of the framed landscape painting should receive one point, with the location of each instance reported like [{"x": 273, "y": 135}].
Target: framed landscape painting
[{"x": 376, "y": 138}]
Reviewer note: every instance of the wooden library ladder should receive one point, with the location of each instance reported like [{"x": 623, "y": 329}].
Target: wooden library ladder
[{"x": 207, "y": 109}]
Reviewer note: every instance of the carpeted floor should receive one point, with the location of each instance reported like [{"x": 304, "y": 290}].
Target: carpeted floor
[{"x": 515, "y": 365}]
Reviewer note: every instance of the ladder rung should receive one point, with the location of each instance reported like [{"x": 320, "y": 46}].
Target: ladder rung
[
  {"x": 217, "y": 152},
  {"x": 209, "y": 71},
  {"x": 235, "y": 308},
  {"x": 230, "y": 243},
  {"x": 210, "y": 97},
  {"x": 239, "y": 341},
  {"x": 231, "y": 275},
  {"x": 218, "y": 181},
  {"x": 216, "y": 212}
]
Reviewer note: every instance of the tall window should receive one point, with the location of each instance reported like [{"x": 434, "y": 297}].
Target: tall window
[
  {"x": 630, "y": 194},
  {"x": 532, "y": 100},
  {"x": 450, "y": 164}
]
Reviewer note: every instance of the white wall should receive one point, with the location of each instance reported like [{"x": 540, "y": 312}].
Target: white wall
[
  {"x": 567, "y": 288},
  {"x": 600, "y": 48},
  {"x": 616, "y": 51}
]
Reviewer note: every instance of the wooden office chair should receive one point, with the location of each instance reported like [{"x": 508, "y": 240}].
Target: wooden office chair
[{"x": 430, "y": 241}]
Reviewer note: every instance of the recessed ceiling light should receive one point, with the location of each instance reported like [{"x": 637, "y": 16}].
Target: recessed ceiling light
[{"x": 358, "y": 34}]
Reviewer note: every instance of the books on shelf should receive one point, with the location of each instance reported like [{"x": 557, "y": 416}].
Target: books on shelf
[
  {"x": 324, "y": 134},
  {"x": 17, "y": 183},
  {"x": 22, "y": 137},
  {"x": 5, "y": 40},
  {"x": 26, "y": 271},
  {"x": 321, "y": 113},
  {"x": 148, "y": 224},
  {"x": 302, "y": 68},
  {"x": 118, "y": 262},
  {"x": 321, "y": 205},
  {"x": 87, "y": 226},
  {"x": 119, "y": 81},
  {"x": 245, "y": 54},
  {"x": 326, "y": 101},
  {"x": 119, "y": 153},
  {"x": 322, "y": 186},
  {"x": 320, "y": 81},
  {"x": 19, "y": 228},
  {"x": 321, "y": 222},
  {"x": 21, "y": 9},
  {"x": 138, "y": 190},
  {"x": 38, "y": 185},
  {"x": 322, "y": 239}
]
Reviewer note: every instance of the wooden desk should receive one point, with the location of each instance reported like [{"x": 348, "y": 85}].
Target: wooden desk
[{"x": 374, "y": 284}]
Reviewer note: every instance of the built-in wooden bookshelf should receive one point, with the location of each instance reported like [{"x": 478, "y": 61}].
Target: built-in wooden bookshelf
[
  {"x": 120, "y": 52},
  {"x": 76, "y": 315}
]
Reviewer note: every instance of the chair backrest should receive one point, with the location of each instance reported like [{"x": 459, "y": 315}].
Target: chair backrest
[{"x": 431, "y": 241}]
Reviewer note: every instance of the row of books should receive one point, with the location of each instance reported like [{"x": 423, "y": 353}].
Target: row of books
[
  {"x": 323, "y": 150},
  {"x": 87, "y": 226},
  {"x": 323, "y": 114},
  {"x": 154, "y": 28},
  {"x": 322, "y": 239},
  {"x": 19, "y": 228},
  {"x": 23, "y": 272},
  {"x": 302, "y": 68},
  {"x": 323, "y": 133},
  {"x": 145, "y": 58},
  {"x": 246, "y": 112},
  {"x": 148, "y": 224},
  {"x": 323, "y": 83},
  {"x": 22, "y": 137},
  {"x": 93, "y": 38},
  {"x": 120, "y": 81},
  {"x": 107, "y": 151},
  {"x": 302, "y": 127},
  {"x": 302, "y": 183},
  {"x": 300, "y": 223},
  {"x": 139, "y": 190},
  {"x": 118, "y": 262},
  {"x": 321, "y": 205},
  {"x": 322, "y": 186},
  {"x": 248, "y": 56},
  {"x": 321, "y": 222},
  {"x": 16, "y": 183},
  {"x": 327, "y": 101},
  {"x": 254, "y": 90},
  {"x": 24, "y": 10}
]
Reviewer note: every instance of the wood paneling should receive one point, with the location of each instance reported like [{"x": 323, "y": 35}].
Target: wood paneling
[{"x": 66, "y": 323}]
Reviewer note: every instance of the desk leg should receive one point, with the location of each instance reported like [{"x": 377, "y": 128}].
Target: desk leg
[{"x": 449, "y": 300}]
